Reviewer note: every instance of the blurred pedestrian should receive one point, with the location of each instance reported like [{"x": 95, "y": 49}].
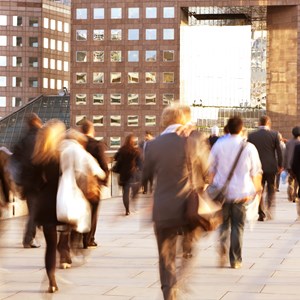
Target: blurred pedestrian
[
  {"x": 214, "y": 135},
  {"x": 283, "y": 148},
  {"x": 129, "y": 161}
]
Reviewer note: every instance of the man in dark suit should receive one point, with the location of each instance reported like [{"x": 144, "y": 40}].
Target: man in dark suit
[
  {"x": 267, "y": 144},
  {"x": 96, "y": 149},
  {"x": 171, "y": 191}
]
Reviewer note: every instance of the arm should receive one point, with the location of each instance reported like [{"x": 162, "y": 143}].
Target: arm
[{"x": 278, "y": 152}]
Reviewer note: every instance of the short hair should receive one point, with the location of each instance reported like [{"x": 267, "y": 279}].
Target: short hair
[
  {"x": 172, "y": 115},
  {"x": 235, "y": 125},
  {"x": 33, "y": 120},
  {"x": 264, "y": 120},
  {"x": 296, "y": 131},
  {"x": 86, "y": 126}
]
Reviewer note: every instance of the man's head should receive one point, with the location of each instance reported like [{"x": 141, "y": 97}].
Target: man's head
[
  {"x": 173, "y": 115},
  {"x": 33, "y": 121},
  {"x": 296, "y": 131},
  {"x": 235, "y": 125},
  {"x": 265, "y": 121},
  {"x": 87, "y": 127}
]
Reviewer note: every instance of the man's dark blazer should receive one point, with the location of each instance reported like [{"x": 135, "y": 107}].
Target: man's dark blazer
[
  {"x": 165, "y": 158},
  {"x": 268, "y": 146}
]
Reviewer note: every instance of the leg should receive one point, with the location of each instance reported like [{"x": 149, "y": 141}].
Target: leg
[
  {"x": 166, "y": 242},
  {"x": 224, "y": 233},
  {"x": 261, "y": 206},
  {"x": 270, "y": 179},
  {"x": 89, "y": 237},
  {"x": 30, "y": 231},
  {"x": 50, "y": 255},
  {"x": 63, "y": 248},
  {"x": 126, "y": 190},
  {"x": 238, "y": 214},
  {"x": 291, "y": 188}
]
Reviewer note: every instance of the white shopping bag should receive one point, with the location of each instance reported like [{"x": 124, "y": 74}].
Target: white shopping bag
[{"x": 252, "y": 210}]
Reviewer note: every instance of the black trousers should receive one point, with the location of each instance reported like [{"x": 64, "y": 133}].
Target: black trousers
[
  {"x": 268, "y": 180},
  {"x": 89, "y": 237}
]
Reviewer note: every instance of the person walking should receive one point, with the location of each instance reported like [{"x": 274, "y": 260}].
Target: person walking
[
  {"x": 24, "y": 176},
  {"x": 129, "y": 162},
  {"x": 173, "y": 187},
  {"x": 292, "y": 189},
  {"x": 243, "y": 186},
  {"x": 97, "y": 150},
  {"x": 267, "y": 144}
]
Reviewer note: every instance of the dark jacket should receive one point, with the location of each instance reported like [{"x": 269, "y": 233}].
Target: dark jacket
[
  {"x": 268, "y": 146},
  {"x": 165, "y": 158}
]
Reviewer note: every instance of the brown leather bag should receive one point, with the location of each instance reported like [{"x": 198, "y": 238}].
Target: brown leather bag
[{"x": 89, "y": 185}]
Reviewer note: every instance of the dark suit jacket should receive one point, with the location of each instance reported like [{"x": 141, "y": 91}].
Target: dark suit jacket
[
  {"x": 165, "y": 158},
  {"x": 268, "y": 146},
  {"x": 296, "y": 161}
]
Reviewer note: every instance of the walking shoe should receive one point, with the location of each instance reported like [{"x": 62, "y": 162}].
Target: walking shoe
[
  {"x": 33, "y": 244},
  {"x": 65, "y": 266},
  {"x": 92, "y": 245},
  {"x": 236, "y": 265}
]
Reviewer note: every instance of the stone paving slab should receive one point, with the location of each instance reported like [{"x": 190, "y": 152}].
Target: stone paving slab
[{"x": 125, "y": 265}]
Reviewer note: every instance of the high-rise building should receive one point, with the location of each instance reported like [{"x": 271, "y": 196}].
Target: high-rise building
[{"x": 34, "y": 50}]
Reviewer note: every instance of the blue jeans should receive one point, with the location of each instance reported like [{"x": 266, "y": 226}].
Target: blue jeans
[{"x": 233, "y": 216}]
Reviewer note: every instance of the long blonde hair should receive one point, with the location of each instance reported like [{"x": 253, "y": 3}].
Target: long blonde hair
[{"x": 47, "y": 142}]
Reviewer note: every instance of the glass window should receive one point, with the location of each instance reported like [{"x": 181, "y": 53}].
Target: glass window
[
  {"x": 66, "y": 46},
  {"x": 45, "y": 83},
  {"x": 133, "y": 13},
  {"x": 168, "y": 99},
  {"x": 115, "y": 142},
  {"x": 150, "y": 99},
  {"x": 66, "y": 66},
  {"x": 150, "y": 55},
  {"x": 115, "y": 120},
  {"x": 58, "y": 84},
  {"x": 115, "y": 56},
  {"x": 116, "y": 13},
  {"x": 52, "y": 24},
  {"x": 3, "y": 20},
  {"x": 17, "y": 41},
  {"x": 98, "y": 77},
  {"x": 133, "y": 56},
  {"x": 3, "y": 40},
  {"x": 16, "y": 101},
  {"x": 150, "y": 77},
  {"x": 98, "y": 120},
  {"x": 98, "y": 35},
  {"x": 46, "y": 43},
  {"x": 168, "y": 55},
  {"x": 81, "y": 78},
  {"x": 3, "y": 61},
  {"x": 59, "y": 65},
  {"x": 33, "y": 82},
  {"x": 115, "y": 77},
  {"x": 66, "y": 27},
  {"x": 98, "y": 99},
  {"x": 33, "y": 62},
  {"x": 98, "y": 13},
  {"x": 81, "y": 13},
  {"x": 116, "y": 34},
  {"x": 17, "y": 82},
  {"x": 45, "y": 63},
  {"x": 52, "y": 44},
  {"x": 52, "y": 83},
  {"x": 169, "y": 12},
  {"x": 66, "y": 84},
  {"x": 81, "y": 35},
  {"x": 52, "y": 64},
  {"x": 132, "y": 120},
  {"x": 133, "y": 99},
  {"x": 150, "y": 120},
  {"x": 98, "y": 56},
  {"x": 2, "y": 101},
  {"x": 133, "y": 77},
  {"x": 3, "y": 81},
  {"x": 33, "y": 22},
  {"x": 168, "y": 77},
  {"x": 168, "y": 34},
  {"x": 59, "y": 26},
  {"x": 115, "y": 99},
  {"x": 133, "y": 34},
  {"x": 150, "y": 34},
  {"x": 151, "y": 12},
  {"x": 17, "y": 61},
  {"x": 33, "y": 42},
  {"x": 80, "y": 99},
  {"x": 46, "y": 23},
  {"x": 81, "y": 56},
  {"x": 79, "y": 119},
  {"x": 17, "y": 21},
  {"x": 59, "y": 45}
]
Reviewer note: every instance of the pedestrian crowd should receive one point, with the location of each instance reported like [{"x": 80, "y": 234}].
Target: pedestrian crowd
[{"x": 60, "y": 173}]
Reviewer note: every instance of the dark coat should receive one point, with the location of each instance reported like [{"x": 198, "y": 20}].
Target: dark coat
[
  {"x": 268, "y": 146},
  {"x": 129, "y": 163},
  {"x": 165, "y": 158}
]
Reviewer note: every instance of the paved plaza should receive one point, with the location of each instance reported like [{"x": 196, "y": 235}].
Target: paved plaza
[{"x": 125, "y": 265}]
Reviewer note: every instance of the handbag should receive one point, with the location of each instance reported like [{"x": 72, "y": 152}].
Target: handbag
[{"x": 204, "y": 209}]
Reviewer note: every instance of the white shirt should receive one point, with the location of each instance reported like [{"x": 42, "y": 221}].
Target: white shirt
[{"x": 223, "y": 155}]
